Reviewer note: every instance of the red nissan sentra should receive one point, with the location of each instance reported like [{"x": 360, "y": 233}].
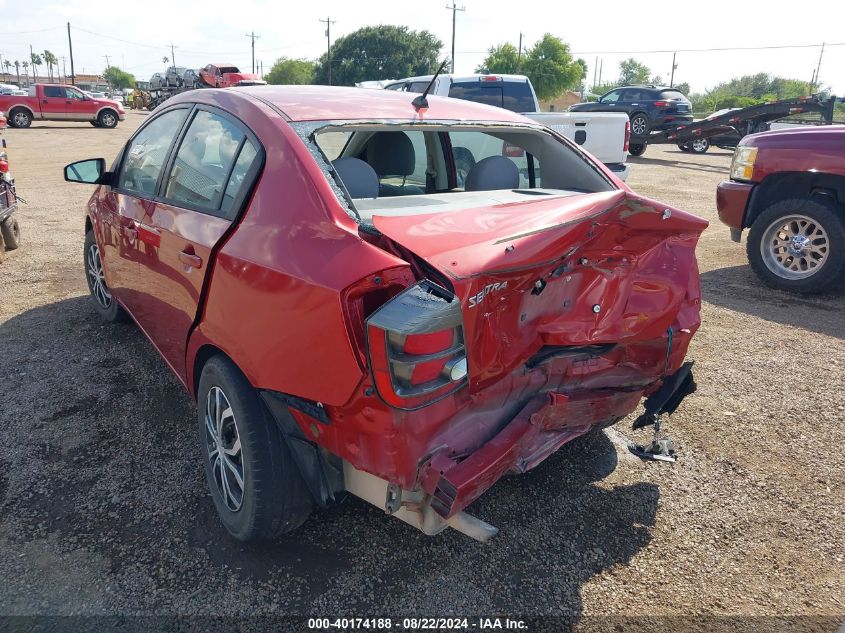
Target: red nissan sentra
[{"x": 354, "y": 312}]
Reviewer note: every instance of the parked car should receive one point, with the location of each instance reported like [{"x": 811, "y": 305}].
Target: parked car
[
  {"x": 191, "y": 78},
  {"x": 226, "y": 76},
  {"x": 157, "y": 81},
  {"x": 58, "y": 102},
  {"x": 95, "y": 95},
  {"x": 605, "y": 136},
  {"x": 650, "y": 108},
  {"x": 347, "y": 318},
  {"x": 728, "y": 140},
  {"x": 788, "y": 188},
  {"x": 173, "y": 76}
]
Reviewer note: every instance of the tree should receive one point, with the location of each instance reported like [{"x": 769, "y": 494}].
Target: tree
[
  {"x": 502, "y": 59},
  {"x": 25, "y": 65},
  {"x": 291, "y": 72},
  {"x": 36, "y": 61},
  {"x": 118, "y": 78},
  {"x": 8, "y": 65},
  {"x": 379, "y": 52},
  {"x": 51, "y": 60},
  {"x": 18, "y": 71},
  {"x": 551, "y": 68},
  {"x": 633, "y": 72}
]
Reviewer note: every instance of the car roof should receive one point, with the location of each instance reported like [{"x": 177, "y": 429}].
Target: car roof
[
  {"x": 325, "y": 103},
  {"x": 472, "y": 77}
]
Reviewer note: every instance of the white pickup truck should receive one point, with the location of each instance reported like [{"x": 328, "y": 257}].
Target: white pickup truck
[{"x": 603, "y": 134}]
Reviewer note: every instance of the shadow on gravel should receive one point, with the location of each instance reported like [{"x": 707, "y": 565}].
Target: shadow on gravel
[
  {"x": 100, "y": 447},
  {"x": 681, "y": 163},
  {"x": 738, "y": 288}
]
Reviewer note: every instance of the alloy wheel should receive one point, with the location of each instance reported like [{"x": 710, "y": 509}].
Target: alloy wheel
[
  {"x": 639, "y": 125},
  {"x": 795, "y": 247},
  {"x": 21, "y": 119},
  {"x": 109, "y": 120},
  {"x": 223, "y": 444},
  {"x": 96, "y": 278}
]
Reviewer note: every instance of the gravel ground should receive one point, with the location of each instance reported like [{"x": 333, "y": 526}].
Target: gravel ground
[{"x": 103, "y": 503}]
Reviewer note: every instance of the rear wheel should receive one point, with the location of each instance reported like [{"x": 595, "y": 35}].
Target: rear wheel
[
  {"x": 20, "y": 117},
  {"x": 11, "y": 233},
  {"x": 637, "y": 149},
  {"x": 798, "y": 245},
  {"x": 640, "y": 125},
  {"x": 699, "y": 145},
  {"x": 255, "y": 485}
]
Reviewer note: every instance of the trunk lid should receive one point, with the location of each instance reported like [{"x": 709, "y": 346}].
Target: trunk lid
[{"x": 559, "y": 271}]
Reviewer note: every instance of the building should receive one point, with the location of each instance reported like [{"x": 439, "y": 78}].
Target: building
[
  {"x": 561, "y": 103},
  {"x": 92, "y": 83}
]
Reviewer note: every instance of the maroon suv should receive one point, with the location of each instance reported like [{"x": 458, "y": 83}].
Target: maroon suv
[
  {"x": 788, "y": 187},
  {"x": 351, "y": 314}
]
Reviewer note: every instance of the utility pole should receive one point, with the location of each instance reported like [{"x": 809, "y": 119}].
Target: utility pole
[
  {"x": 329, "y": 23},
  {"x": 261, "y": 65},
  {"x": 454, "y": 8},
  {"x": 674, "y": 66},
  {"x": 253, "y": 36},
  {"x": 518, "y": 54},
  {"x": 173, "y": 54},
  {"x": 595, "y": 73},
  {"x": 601, "y": 67},
  {"x": 816, "y": 81},
  {"x": 70, "y": 46},
  {"x": 34, "y": 68},
  {"x": 5, "y": 79},
  {"x": 64, "y": 70},
  {"x": 106, "y": 57}
]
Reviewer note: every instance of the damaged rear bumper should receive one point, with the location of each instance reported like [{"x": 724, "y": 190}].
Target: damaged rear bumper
[{"x": 546, "y": 423}]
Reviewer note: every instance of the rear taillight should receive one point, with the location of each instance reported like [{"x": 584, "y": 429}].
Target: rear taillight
[
  {"x": 416, "y": 347},
  {"x": 661, "y": 104},
  {"x": 627, "y": 144}
]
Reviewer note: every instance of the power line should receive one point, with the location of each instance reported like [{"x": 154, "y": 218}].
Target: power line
[{"x": 691, "y": 50}]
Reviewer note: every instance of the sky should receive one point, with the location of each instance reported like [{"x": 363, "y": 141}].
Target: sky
[{"x": 137, "y": 35}]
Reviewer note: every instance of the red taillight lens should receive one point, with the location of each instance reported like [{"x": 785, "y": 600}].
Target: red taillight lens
[
  {"x": 416, "y": 346},
  {"x": 661, "y": 104},
  {"x": 4, "y": 167},
  {"x": 627, "y": 144}
]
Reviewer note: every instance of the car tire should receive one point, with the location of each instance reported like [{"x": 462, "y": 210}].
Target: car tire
[
  {"x": 11, "y": 231},
  {"x": 107, "y": 119},
  {"x": 683, "y": 147},
  {"x": 20, "y": 117},
  {"x": 798, "y": 245},
  {"x": 255, "y": 484},
  {"x": 105, "y": 305},
  {"x": 637, "y": 149},
  {"x": 699, "y": 146},
  {"x": 94, "y": 123},
  {"x": 640, "y": 125}
]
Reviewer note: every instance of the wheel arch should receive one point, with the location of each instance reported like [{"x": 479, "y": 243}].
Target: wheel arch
[
  {"x": 21, "y": 106},
  {"x": 785, "y": 185},
  {"x": 103, "y": 109},
  {"x": 206, "y": 352}
]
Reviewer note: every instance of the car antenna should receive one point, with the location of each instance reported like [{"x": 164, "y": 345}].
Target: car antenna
[{"x": 421, "y": 102}]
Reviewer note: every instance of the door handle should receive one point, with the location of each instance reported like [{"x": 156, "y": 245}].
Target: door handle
[{"x": 190, "y": 258}]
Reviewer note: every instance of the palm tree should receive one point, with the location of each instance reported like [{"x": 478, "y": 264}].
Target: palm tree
[
  {"x": 18, "y": 71},
  {"x": 8, "y": 65},
  {"x": 51, "y": 60},
  {"x": 36, "y": 61},
  {"x": 25, "y": 65}
]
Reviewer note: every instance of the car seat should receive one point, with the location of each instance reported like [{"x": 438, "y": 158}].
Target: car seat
[
  {"x": 391, "y": 154},
  {"x": 491, "y": 173},
  {"x": 359, "y": 178}
]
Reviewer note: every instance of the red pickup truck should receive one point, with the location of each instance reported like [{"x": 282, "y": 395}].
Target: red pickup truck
[
  {"x": 788, "y": 187},
  {"x": 58, "y": 102}
]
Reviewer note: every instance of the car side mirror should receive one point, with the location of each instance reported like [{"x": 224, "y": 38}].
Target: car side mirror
[{"x": 90, "y": 172}]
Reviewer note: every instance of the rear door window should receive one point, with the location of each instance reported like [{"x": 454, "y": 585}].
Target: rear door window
[
  {"x": 203, "y": 162},
  {"x": 146, "y": 153},
  {"x": 54, "y": 92},
  {"x": 479, "y": 92}
]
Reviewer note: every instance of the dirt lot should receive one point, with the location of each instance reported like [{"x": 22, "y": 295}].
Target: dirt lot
[{"x": 103, "y": 504}]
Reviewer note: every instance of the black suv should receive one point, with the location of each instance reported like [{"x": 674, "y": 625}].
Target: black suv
[{"x": 650, "y": 107}]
